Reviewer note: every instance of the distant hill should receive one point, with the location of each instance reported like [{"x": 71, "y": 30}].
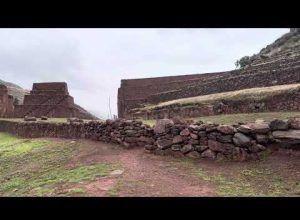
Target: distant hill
[
  {"x": 85, "y": 112},
  {"x": 15, "y": 90}
]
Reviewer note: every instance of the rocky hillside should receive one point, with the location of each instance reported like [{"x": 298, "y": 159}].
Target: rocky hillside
[
  {"x": 284, "y": 47},
  {"x": 15, "y": 90}
]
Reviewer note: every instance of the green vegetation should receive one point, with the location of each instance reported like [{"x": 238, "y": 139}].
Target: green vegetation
[
  {"x": 251, "y": 179},
  {"x": 76, "y": 191},
  {"x": 41, "y": 168},
  {"x": 235, "y": 118},
  {"x": 244, "y": 61},
  {"x": 10, "y": 145}
]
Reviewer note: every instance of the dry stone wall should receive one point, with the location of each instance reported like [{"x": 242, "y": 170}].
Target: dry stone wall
[
  {"x": 173, "y": 137},
  {"x": 287, "y": 101}
]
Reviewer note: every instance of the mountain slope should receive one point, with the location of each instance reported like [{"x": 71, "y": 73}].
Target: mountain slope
[
  {"x": 15, "y": 90},
  {"x": 287, "y": 46}
]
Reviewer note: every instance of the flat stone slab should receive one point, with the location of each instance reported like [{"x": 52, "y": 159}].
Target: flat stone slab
[
  {"x": 260, "y": 128},
  {"x": 290, "y": 134}
]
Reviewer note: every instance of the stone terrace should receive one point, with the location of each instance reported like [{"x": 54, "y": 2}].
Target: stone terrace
[
  {"x": 52, "y": 100},
  {"x": 282, "y": 68}
]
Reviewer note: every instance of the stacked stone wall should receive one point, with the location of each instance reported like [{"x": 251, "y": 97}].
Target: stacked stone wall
[{"x": 239, "y": 142}]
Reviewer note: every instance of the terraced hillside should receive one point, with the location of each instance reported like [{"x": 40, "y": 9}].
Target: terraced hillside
[
  {"x": 277, "y": 64},
  {"x": 261, "y": 99}
]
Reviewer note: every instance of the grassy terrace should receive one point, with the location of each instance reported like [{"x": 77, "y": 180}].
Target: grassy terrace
[
  {"x": 253, "y": 93},
  {"x": 235, "y": 118}
]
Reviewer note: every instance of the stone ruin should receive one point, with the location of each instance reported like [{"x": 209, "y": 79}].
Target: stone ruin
[
  {"x": 6, "y": 102},
  {"x": 277, "y": 64},
  {"x": 237, "y": 142},
  {"x": 51, "y": 100}
]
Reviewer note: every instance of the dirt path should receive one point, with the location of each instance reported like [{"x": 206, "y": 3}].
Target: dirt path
[
  {"x": 137, "y": 173},
  {"x": 143, "y": 174}
]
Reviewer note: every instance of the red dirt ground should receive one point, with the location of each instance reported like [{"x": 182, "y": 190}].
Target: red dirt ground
[{"x": 152, "y": 175}]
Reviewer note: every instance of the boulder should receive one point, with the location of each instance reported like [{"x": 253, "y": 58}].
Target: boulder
[
  {"x": 194, "y": 136},
  {"x": 213, "y": 135},
  {"x": 194, "y": 127},
  {"x": 244, "y": 129},
  {"x": 193, "y": 154},
  {"x": 202, "y": 133},
  {"x": 185, "y": 132},
  {"x": 208, "y": 154},
  {"x": 201, "y": 148},
  {"x": 147, "y": 140},
  {"x": 279, "y": 125},
  {"x": 225, "y": 138},
  {"x": 241, "y": 140},
  {"x": 226, "y": 129},
  {"x": 161, "y": 125},
  {"x": 294, "y": 123},
  {"x": 262, "y": 138},
  {"x": 215, "y": 146},
  {"x": 176, "y": 147},
  {"x": 290, "y": 134},
  {"x": 227, "y": 148},
  {"x": 211, "y": 127},
  {"x": 193, "y": 141},
  {"x": 164, "y": 144},
  {"x": 187, "y": 148},
  {"x": 203, "y": 141},
  {"x": 260, "y": 128},
  {"x": 177, "y": 139}
]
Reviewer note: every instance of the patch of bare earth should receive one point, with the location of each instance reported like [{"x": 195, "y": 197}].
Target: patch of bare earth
[{"x": 144, "y": 174}]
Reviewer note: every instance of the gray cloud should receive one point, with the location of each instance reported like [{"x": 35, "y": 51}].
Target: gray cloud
[{"x": 93, "y": 61}]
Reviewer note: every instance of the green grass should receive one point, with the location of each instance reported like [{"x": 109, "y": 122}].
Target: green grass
[
  {"x": 235, "y": 118},
  {"x": 248, "y": 183},
  {"x": 250, "y": 179},
  {"x": 76, "y": 191},
  {"x": 10, "y": 145},
  {"x": 250, "y": 117},
  {"x": 41, "y": 168}
]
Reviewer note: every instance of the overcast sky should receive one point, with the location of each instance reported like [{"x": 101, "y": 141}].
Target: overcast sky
[{"x": 93, "y": 61}]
